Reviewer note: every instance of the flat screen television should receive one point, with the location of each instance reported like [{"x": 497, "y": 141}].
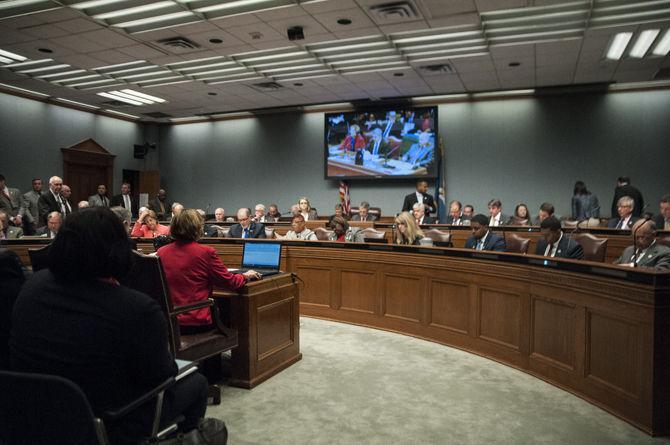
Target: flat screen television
[{"x": 384, "y": 143}]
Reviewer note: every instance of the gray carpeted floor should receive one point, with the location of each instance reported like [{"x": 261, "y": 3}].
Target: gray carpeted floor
[{"x": 357, "y": 385}]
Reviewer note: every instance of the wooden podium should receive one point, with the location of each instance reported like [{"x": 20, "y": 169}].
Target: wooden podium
[{"x": 266, "y": 316}]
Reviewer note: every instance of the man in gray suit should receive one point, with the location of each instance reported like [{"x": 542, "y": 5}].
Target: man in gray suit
[
  {"x": 7, "y": 231},
  {"x": 101, "y": 199},
  {"x": 364, "y": 213},
  {"x": 30, "y": 204},
  {"x": 646, "y": 252},
  {"x": 11, "y": 203}
]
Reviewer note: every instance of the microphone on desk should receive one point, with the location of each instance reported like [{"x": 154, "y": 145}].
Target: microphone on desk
[{"x": 647, "y": 218}]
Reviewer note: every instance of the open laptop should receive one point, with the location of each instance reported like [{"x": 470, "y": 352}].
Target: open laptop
[{"x": 263, "y": 257}]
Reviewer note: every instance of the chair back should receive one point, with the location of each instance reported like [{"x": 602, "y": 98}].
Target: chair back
[
  {"x": 373, "y": 235},
  {"x": 438, "y": 236},
  {"x": 594, "y": 248},
  {"x": 223, "y": 231},
  {"x": 269, "y": 232},
  {"x": 322, "y": 234},
  {"x": 147, "y": 275},
  {"x": 517, "y": 244},
  {"x": 39, "y": 258},
  {"x": 44, "y": 409}
]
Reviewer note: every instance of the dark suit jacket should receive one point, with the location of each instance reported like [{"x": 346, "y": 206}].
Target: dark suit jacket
[
  {"x": 428, "y": 220},
  {"x": 628, "y": 190},
  {"x": 493, "y": 242},
  {"x": 410, "y": 200},
  {"x": 567, "y": 248},
  {"x": 612, "y": 223},
  {"x": 211, "y": 231},
  {"x": 154, "y": 205},
  {"x": 256, "y": 230},
  {"x": 656, "y": 256},
  {"x": 12, "y": 278},
  {"x": 450, "y": 220},
  {"x": 659, "y": 221},
  {"x": 357, "y": 217},
  {"x": 44, "y": 230},
  {"x": 117, "y": 200},
  {"x": 45, "y": 205}
]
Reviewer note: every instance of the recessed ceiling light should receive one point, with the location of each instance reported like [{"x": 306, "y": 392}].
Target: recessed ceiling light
[
  {"x": 398, "y": 74},
  {"x": 216, "y": 41},
  {"x": 298, "y": 84},
  {"x": 211, "y": 93},
  {"x": 514, "y": 64},
  {"x": 45, "y": 50},
  {"x": 344, "y": 22},
  {"x": 643, "y": 43},
  {"x": 618, "y": 45}
]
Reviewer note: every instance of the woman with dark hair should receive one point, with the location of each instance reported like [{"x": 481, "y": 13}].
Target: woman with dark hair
[
  {"x": 192, "y": 270},
  {"x": 76, "y": 321},
  {"x": 584, "y": 203},
  {"x": 521, "y": 216}
]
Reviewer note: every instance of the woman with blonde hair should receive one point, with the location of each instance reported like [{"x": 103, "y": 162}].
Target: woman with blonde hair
[
  {"x": 306, "y": 209},
  {"x": 147, "y": 226},
  {"x": 407, "y": 232}
]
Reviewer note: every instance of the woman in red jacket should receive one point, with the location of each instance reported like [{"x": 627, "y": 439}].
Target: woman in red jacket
[
  {"x": 147, "y": 226},
  {"x": 192, "y": 270}
]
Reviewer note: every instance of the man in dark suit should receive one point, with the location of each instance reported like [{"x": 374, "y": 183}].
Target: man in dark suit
[
  {"x": 100, "y": 199},
  {"x": 12, "y": 278},
  {"x": 12, "y": 203},
  {"x": 455, "y": 216},
  {"x": 364, "y": 213},
  {"x": 50, "y": 201},
  {"x": 623, "y": 188},
  {"x": 482, "y": 238},
  {"x": 245, "y": 228},
  {"x": 497, "y": 217},
  {"x": 161, "y": 205},
  {"x": 125, "y": 200},
  {"x": 65, "y": 193},
  {"x": 54, "y": 221},
  {"x": 419, "y": 212},
  {"x": 555, "y": 244},
  {"x": 421, "y": 196},
  {"x": 626, "y": 217},
  {"x": 646, "y": 252},
  {"x": 662, "y": 220}
]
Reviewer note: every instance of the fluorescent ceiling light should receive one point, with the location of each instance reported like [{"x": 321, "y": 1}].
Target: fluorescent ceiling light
[
  {"x": 322, "y": 106},
  {"x": 132, "y": 116},
  {"x": 460, "y": 43},
  {"x": 12, "y": 87},
  {"x": 195, "y": 60},
  {"x": 132, "y": 70},
  {"x": 64, "y": 73},
  {"x": 367, "y": 59},
  {"x": 347, "y": 47},
  {"x": 453, "y": 35},
  {"x": 189, "y": 119},
  {"x": 120, "y": 98},
  {"x": 229, "y": 5},
  {"x": 223, "y": 70},
  {"x": 211, "y": 65},
  {"x": 135, "y": 76},
  {"x": 74, "y": 79},
  {"x": 447, "y": 51},
  {"x": 134, "y": 10},
  {"x": 44, "y": 68},
  {"x": 144, "y": 96},
  {"x": 638, "y": 85},
  {"x": 60, "y": 99},
  {"x": 663, "y": 47},
  {"x": 30, "y": 62},
  {"x": 118, "y": 65},
  {"x": 449, "y": 56},
  {"x": 11, "y": 56},
  {"x": 235, "y": 80},
  {"x": 536, "y": 17},
  {"x": 18, "y": 3},
  {"x": 359, "y": 53},
  {"x": 292, "y": 79},
  {"x": 643, "y": 43},
  {"x": 440, "y": 97},
  {"x": 4, "y": 60},
  {"x": 93, "y": 82},
  {"x": 231, "y": 76},
  {"x": 347, "y": 73},
  {"x": 293, "y": 68},
  {"x": 303, "y": 73},
  {"x": 165, "y": 83},
  {"x": 269, "y": 57},
  {"x": 159, "y": 79},
  {"x": 131, "y": 97},
  {"x": 618, "y": 45},
  {"x": 94, "y": 4},
  {"x": 97, "y": 87},
  {"x": 280, "y": 63},
  {"x": 504, "y": 93},
  {"x": 149, "y": 20},
  {"x": 372, "y": 65}
]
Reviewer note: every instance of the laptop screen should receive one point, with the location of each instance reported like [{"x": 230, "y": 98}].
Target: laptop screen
[{"x": 261, "y": 255}]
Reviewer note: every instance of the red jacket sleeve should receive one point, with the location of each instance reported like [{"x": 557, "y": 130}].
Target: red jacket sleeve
[
  {"x": 137, "y": 230},
  {"x": 220, "y": 275}
]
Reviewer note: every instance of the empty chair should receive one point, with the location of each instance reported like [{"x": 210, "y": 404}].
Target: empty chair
[
  {"x": 594, "y": 248},
  {"x": 322, "y": 234},
  {"x": 269, "y": 232},
  {"x": 517, "y": 244},
  {"x": 371, "y": 235},
  {"x": 44, "y": 409},
  {"x": 440, "y": 238}
]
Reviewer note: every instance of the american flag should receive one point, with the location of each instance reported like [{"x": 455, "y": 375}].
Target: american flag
[{"x": 344, "y": 197}]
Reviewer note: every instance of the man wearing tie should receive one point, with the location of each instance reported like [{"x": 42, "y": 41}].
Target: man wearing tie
[
  {"x": 555, "y": 244},
  {"x": 421, "y": 197},
  {"x": 125, "y": 200},
  {"x": 101, "y": 199},
  {"x": 455, "y": 217},
  {"x": 420, "y": 214},
  {"x": 662, "y": 220},
  {"x": 50, "y": 201},
  {"x": 54, "y": 221},
  {"x": 245, "y": 228},
  {"x": 626, "y": 219},
  {"x": 649, "y": 252},
  {"x": 65, "y": 194},
  {"x": 364, "y": 213},
  {"x": 482, "y": 238},
  {"x": 497, "y": 218}
]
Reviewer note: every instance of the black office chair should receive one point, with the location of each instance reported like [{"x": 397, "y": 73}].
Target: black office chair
[
  {"x": 39, "y": 257},
  {"x": 40, "y": 409}
]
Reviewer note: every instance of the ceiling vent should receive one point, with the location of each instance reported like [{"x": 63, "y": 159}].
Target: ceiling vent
[
  {"x": 267, "y": 86},
  {"x": 444, "y": 68},
  {"x": 157, "y": 115},
  {"x": 394, "y": 12},
  {"x": 178, "y": 44}
]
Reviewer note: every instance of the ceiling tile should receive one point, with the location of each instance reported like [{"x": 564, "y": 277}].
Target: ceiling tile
[
  {"x": 359, "y": 20},
  {"x": 141, "y": 51},
  {"x": 439, "y": 8},
  {"x": 246, "y": 33},
  {"x": 456, "y": 20},
  {"x": 309, "y": 25},
  {"x": 473, "y": 64},
  {"x": 45, "y": 31},
  {"x": 285, "y": 13},
  {"x": 107, "y": 38},
  {"x": 329, "y": 6},
  {"x": 497, "y": 5},
  {"x": 78, "y": 24},
  {"x": 77, "y": 44}
]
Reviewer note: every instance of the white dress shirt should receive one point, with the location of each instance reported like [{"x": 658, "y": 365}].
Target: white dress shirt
[{"x": 550, "y": 251}]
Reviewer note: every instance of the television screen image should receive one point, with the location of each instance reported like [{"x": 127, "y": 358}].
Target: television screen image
[{"x": 389, "y": 143}]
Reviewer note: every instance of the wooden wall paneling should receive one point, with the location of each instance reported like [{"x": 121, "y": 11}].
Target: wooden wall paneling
[
  {"x": 499, "y": 317},
  {"x": 553, "y": 326},
  {"x": 358, "y": 290},
  {"x": 318, "y": 284},
  {"x": 402, "y": 297},
  {"x": 450, "y": 304}
]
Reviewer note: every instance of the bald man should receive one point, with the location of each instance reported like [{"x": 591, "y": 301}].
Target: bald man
[
  {"x": 51, "y": 201},
  {"x": 646, "y": 252}
]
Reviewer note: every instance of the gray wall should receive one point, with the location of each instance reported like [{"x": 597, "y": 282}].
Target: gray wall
[
  {"x": 32, "y": 134},
  {"x": 520, "y": 150}
]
